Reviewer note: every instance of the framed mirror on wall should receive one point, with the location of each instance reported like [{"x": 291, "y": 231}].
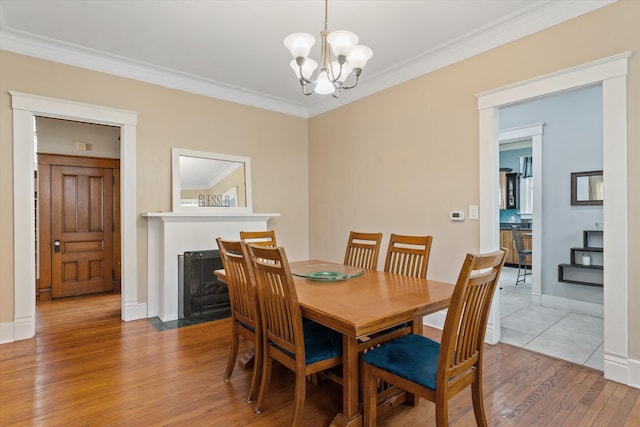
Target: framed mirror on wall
[
  {"x": 210, "y": 182},
  {"x": 587, "y": 188}
]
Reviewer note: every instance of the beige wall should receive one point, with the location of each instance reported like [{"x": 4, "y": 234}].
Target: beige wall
[
  {"x": 400, "y": 160},
  {"x": 276, "y": 144},
  {"x": 61, "y": 136}
]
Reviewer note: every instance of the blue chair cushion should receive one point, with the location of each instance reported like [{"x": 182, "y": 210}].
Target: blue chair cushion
[
  {"x": 412, "y": 357},
  {"x": 320, "y": 342}
]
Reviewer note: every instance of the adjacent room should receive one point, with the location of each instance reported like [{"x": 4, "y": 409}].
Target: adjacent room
[{"x": 561, "y": 313}]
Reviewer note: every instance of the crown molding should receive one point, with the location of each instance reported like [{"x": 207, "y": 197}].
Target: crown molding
[
  {"x": 510, "y": 28},
  {"x": 517, "y": 25},
  {"x": 48, "y": 49}
]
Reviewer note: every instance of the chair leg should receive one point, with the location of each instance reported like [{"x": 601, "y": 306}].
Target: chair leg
[
  {"x": 521, "y": 266},
  {"x": 266, "y": 378},
  {"x": 301, "y": 390},
  {"x": 370, "y": 396},
  {"x": 442, "y": 412},
  {"x": 518, "y": 277},
  {"x": 257, "y": 369},
  {"x": 233, "y": 354},
  {"x": 478, "y": 403}
]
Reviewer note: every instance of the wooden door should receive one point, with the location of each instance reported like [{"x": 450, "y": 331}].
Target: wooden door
[{"x": 81, "y": 230}]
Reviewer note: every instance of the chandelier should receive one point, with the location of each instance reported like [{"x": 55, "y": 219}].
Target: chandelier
[{"x": 348, "y": 59}]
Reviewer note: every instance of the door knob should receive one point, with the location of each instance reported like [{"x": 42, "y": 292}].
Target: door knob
[{"x": 56, "y": 246}]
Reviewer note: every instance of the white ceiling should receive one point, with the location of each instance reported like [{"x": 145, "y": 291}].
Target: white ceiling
[{"x": 232, "y": 49}]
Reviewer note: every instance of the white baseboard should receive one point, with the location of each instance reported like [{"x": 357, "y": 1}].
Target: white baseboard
[
  {"x": 435, "y": 320},
  {"x": 134, "y": 311},
  {"x": 492, "y": 336},
  {"x": 574, "y": 306},
  {"x": 17, "y": 330},
  {"x": 6, "y": 332},
  {"x": 617, "y": 368},
  {"x": 634, "y": 373},
  {"x": 24, "y": 328}
]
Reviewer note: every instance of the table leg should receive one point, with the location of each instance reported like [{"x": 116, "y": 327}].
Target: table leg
[
  {"x": 416, "y": 328},
  {"x": 349, "y": 417}
]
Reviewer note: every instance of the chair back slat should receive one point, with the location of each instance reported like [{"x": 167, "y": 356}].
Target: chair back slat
[
  {"x": 241, "y": 283},
  {"x": 262, "y": 238},
  {"x": 408, "y": 255},
  {"x": 363, "y": 250},
  {"x": 467, "y": 316},
  {"x": 281, "y": 316}
]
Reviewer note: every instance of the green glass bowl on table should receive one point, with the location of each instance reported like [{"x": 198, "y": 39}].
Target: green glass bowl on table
[{"x": 322, "y": 271}]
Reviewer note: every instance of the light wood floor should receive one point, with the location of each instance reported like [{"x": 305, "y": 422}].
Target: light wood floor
[{"x": 86, "y": 367}]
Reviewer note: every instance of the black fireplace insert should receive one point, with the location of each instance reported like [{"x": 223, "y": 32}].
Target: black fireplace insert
[{"x": 201, "y": 295}]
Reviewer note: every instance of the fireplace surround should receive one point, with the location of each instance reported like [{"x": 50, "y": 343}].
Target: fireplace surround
[{"x": 170, "y": 234}]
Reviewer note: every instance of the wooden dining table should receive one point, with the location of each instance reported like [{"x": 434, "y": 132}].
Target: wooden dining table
[{"x": 361, "y": 306}]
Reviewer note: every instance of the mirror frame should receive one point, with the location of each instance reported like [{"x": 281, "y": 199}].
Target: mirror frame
[
  {"x": 176, "y": 153},
  {"x": 574, "y": 189}
]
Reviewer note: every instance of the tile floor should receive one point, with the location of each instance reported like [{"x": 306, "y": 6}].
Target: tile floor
[{"x": 569, "y": 336}]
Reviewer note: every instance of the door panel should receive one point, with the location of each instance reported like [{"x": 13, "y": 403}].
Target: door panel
[{"x": 82, "y": 223}]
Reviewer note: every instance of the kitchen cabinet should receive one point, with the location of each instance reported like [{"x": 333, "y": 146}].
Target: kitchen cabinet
[
  {"x": 506, "y": 241},
  {"x": 509, "y": 190},
  {"x": 513, "y": 191}
]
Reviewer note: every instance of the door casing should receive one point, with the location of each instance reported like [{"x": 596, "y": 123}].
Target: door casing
[
  {"x": 25, "y": 107},
  {"x": 611, "y": 73}
]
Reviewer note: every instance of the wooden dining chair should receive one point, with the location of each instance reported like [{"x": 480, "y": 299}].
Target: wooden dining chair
[
  {"x": 264, "y": 238},
  {"x": 438, "y": 371},
  {"x": 362, "y": 250},
  {"x": 245, "y": 314},
  {"x": 303, "y": 346},
  {"x": 408, "y": 255}
]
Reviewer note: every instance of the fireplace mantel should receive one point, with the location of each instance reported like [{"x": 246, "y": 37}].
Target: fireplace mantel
[
  {"x": 197, "y": 216},
  {"x": 173, "y": 233}
]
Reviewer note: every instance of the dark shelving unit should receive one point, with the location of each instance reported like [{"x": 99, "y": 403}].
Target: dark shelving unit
[{"x": 578, "y": 273}]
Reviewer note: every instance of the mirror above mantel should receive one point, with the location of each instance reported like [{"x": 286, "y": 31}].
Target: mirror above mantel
[{"x": 210, "y": 182}]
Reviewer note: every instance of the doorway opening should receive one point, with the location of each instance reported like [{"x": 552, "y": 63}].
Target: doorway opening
[
  {"x": 25, "y": 108},
  {"x": 561, "y": 305},
  {"x": 77, "y": 200},
  {"x": 611, "y": 74}
]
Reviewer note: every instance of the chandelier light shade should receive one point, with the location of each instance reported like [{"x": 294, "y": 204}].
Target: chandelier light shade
[{"x": 341, "y": 60}]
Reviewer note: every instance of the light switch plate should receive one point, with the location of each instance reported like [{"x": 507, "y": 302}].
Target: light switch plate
[{"x": 473, "y": 212}]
